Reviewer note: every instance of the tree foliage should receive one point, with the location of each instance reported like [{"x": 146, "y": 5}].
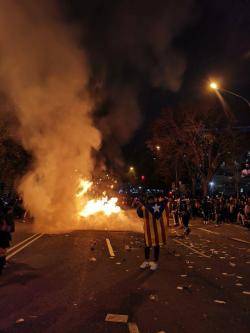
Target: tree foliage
[{"x": 194, "y": 141}]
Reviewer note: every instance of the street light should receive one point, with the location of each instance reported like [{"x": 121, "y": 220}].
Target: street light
[
  {"x": 131, "y": 169},
  {"x": 214, "y": 86},
  {"x": 158, "y": 147}
]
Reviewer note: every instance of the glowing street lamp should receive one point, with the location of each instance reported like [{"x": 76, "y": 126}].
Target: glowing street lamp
[
  {"x": 158, "y": 147},
  {"x": 214, "y": 86},
  {"x": 131, "y": 169}
]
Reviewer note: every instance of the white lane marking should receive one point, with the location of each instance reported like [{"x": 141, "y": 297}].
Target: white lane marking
[
  {"x": 133, "y": 328},
  {"x": 20, "y": 243},
  {"x": 209, "y": 231},
  {"x": 111, "y": 252},
  {"x": 240, "y": 240},
  {"x": 24, "y": 246},
  {"x": 191, "y": 248}
]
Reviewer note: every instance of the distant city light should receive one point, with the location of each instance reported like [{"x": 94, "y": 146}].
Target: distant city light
[
  {"x": 212, "y": 184},
  {"x": 158, "y": 147}
]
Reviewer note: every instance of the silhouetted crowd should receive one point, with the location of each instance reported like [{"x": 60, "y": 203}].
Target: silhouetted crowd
[{"x": 214, "y": 209}]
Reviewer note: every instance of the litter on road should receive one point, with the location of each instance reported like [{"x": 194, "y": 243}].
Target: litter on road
[
  {"x": 116, "y": 318},
  {"x": 219, "y": 302},
  {"x": 153, "y": 297}
]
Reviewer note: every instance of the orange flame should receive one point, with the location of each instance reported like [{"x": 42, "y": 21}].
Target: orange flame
[{"x": 102, "y": 205}]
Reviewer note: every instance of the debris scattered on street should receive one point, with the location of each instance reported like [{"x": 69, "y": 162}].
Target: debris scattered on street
[
  {"x": 219, "y": 301},
  {"x": 153, "y": 297},
  {"x": 116, "y": 318},
  {"x": 232, "y": 264}
]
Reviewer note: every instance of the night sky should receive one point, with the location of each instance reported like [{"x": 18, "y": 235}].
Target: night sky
[{"x": 158, "y": 54}]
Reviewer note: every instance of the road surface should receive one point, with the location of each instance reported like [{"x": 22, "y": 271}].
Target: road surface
[{"x": 70, "y": 282}]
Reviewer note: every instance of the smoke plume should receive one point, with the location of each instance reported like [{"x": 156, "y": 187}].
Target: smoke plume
[
  {"x": 63, "y": 92},
  {"x": 132, "y": 47},
  {"x": 46, "y": 75}
]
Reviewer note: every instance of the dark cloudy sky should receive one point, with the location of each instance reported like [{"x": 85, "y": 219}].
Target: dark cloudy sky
[{"x": 146, "y": 55}]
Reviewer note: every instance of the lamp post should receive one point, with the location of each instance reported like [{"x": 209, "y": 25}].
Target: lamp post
[{"x": 215, "y": 86}]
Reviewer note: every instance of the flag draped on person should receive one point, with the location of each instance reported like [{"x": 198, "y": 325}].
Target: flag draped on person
[{"x": 156, "y": 222}]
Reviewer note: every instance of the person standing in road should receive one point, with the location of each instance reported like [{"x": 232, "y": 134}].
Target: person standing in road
[
  {"x": 156, "y": 220},
  {"x": 185, "y": 216}
]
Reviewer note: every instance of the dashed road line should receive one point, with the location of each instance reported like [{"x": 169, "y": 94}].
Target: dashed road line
[
  {"x": 133, "y": 328},
  {"x": 192, "y": 248},
  {"x": 240, "y": 240},
  {"x": 22, "y": 242},
  {"x": 24, "y": 246},
  {"x": 209, "y": 231},
  {"x": 111, "y": 252}
]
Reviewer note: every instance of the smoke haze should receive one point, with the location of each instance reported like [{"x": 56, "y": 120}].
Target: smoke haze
[
  {"x": 131, "y": 46},
  {"x": 46, "y": 76},
  {"x": 59, "y": 89}
]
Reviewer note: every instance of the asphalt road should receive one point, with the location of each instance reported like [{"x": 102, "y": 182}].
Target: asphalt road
[{"x": 70, "y": 282}]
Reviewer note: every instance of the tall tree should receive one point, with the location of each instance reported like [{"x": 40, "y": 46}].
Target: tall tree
[{"x": 193, "y": 142}]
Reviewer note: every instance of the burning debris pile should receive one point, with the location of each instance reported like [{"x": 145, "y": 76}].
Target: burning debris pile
[
  {"x": 102, "y": 205},
  {"x": 102, "y": 212}
]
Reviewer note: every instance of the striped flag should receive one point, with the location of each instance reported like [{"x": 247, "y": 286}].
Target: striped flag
[{"x": 156, "y": 222}]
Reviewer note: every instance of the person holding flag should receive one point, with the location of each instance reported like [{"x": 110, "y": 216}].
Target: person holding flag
[{"x": 156, "y": 220}]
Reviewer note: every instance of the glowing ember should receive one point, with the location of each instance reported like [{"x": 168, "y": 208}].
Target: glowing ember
[
  {"x": 103, "y": 205},
  {"x": 84, "y": 186}
]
